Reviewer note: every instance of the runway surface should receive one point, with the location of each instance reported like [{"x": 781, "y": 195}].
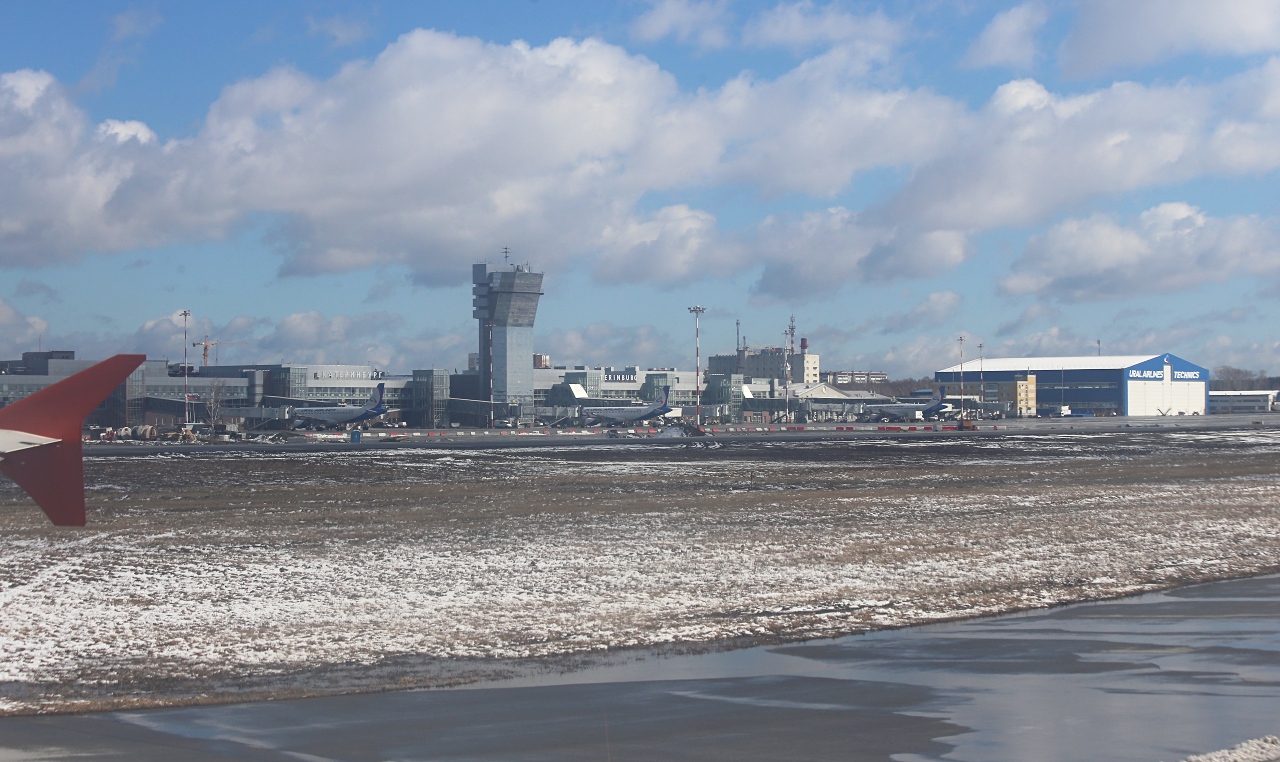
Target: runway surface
[{"x": 1154, "y": 677}]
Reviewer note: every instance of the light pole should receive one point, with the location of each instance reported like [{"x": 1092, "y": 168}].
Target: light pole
[
  {"x": 697, "y": 311},
  {"x": 982, "y": 383},
  {"x": 961, "y": 340},
  {"x": 186, "y": 391}
]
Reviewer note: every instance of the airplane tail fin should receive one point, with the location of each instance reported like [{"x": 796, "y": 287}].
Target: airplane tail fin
[
  {"x": 375, "y": 399},
  {"x": 663, "y": 396},
  {"x": 940, "y": 395},
  {"x": 53, "y": 474}
]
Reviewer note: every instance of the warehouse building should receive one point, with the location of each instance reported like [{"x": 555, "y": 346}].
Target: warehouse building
[
  {"x": 1253, "y": 401},
  {"x": 1118, "y": 385}
]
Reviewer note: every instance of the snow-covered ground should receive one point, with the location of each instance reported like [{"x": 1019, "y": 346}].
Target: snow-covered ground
[{"x": 244, "y": 575}]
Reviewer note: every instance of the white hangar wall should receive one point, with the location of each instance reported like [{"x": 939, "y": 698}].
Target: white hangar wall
[{"x": 1166, "y": 385}]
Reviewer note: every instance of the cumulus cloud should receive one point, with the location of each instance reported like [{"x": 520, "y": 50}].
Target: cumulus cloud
[
  {"x": 1010, "y": 38},
  {"x": 373, "y": 338},
  {"x": 605, "y": 343},
  {"x": 672, "y": 244},
  {"x": 700, "y": 22},
  {"x": 1172, "y": 246},
  {"x": 821, "y": 251},
  {"x": 803, "y": 25},
  {"x": 18, "y": 332},
  {"x": 442, "y": 149},
  {"x": 936, "y": 308},
  {"x": 317, "y": 338},
  {"x": 1033, "y": 152},
  {"x": 1110, "y": 34}
]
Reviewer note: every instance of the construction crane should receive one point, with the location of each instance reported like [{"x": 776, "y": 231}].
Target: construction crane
[{"x": 206, "y": 344}]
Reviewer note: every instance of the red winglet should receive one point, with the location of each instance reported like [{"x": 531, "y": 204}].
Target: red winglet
[{"x": 54, "y": 474}]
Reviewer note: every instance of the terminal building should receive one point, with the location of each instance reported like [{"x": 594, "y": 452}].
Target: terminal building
[{"x": 1050, "y": 386}]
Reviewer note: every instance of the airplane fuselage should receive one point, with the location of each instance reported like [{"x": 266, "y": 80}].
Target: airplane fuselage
[
  {"x": 621, "y": 414},
  {"x": 631, "y": 413},
  {"x": 334, "y": 416}
]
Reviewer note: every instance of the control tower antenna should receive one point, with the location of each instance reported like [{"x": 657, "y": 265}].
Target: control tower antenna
[{"x": 506, "y": 255}]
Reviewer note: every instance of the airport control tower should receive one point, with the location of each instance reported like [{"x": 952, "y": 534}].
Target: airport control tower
[{"x": 506, "y": 302}]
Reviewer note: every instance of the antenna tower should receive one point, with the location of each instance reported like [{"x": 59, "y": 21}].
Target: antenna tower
[
  {"x": 186, "y": 391},
  {"x": 790, "y": 333}
]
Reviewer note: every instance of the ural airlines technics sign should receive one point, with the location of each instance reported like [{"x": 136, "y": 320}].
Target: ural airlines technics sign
[{"x": 1178, "y": 375}]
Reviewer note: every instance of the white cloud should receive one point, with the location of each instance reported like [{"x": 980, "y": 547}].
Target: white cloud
[
  {"x": 936, "y": 308},
  {"x": 1033, "y": 152},
  {"x": 1110, "y": 34},
  {"x": 127, "y": 130},
  {"x": 442, "y": 149},
  {"x": 18, "y": 332},
  {"x": 917, "y": 357},
  {"x": 669, "y": 246},
  {"x": 316, "y": 338},
  {"x": 821, "y": 251},
  {"x": 604, "y": 343},
  {"x": 1172, "y": 246},
  {"x": 803, "y": 24},
  {"x": 340, "y": 30},
  {"x": 1029, "y": 316},
  {"x": 1010, "y": 38},
  {"x": 700, "y": 22},
  {"x": 134, "y": 23}
]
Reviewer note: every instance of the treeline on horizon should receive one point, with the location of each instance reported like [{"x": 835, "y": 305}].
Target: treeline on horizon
[{"x": 1228, "y": 379}]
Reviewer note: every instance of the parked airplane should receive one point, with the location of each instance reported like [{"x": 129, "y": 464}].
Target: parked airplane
[
  {"x": 40, "y": 445},
  {"x": 933, "y": 406},
  {"x": 341, "y": 414},
  {"x": 631, "y": 413}
]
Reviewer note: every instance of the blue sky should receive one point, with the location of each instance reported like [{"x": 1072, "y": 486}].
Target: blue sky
[{"x": 313, "y": 179}]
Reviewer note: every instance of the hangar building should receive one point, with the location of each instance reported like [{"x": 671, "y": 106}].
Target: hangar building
[{"x": 1117, "y": 385}]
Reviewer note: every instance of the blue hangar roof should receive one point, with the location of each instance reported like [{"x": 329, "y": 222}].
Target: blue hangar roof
[{"x": 1085, "y": 362}]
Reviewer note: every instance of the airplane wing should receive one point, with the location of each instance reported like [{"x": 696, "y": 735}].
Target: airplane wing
[
  {"x": 40, "y": 446},
  {"x": 13, "y": 441}
]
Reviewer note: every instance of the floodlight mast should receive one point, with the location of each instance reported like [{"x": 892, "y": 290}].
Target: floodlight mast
[
  {"x": 697, "y": 311},
  {"x": 186, "y": 391},
  {"x": 788, "y": 351}
]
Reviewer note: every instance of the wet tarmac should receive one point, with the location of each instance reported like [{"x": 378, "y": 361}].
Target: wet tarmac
[{"x": 1154, "y": 677}]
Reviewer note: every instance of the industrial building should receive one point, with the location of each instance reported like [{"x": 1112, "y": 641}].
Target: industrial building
[
  {"x": 769, "y": 362},
  {"x": 1117, "y": 385},
  {"x": 1253, "y": 401}
]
